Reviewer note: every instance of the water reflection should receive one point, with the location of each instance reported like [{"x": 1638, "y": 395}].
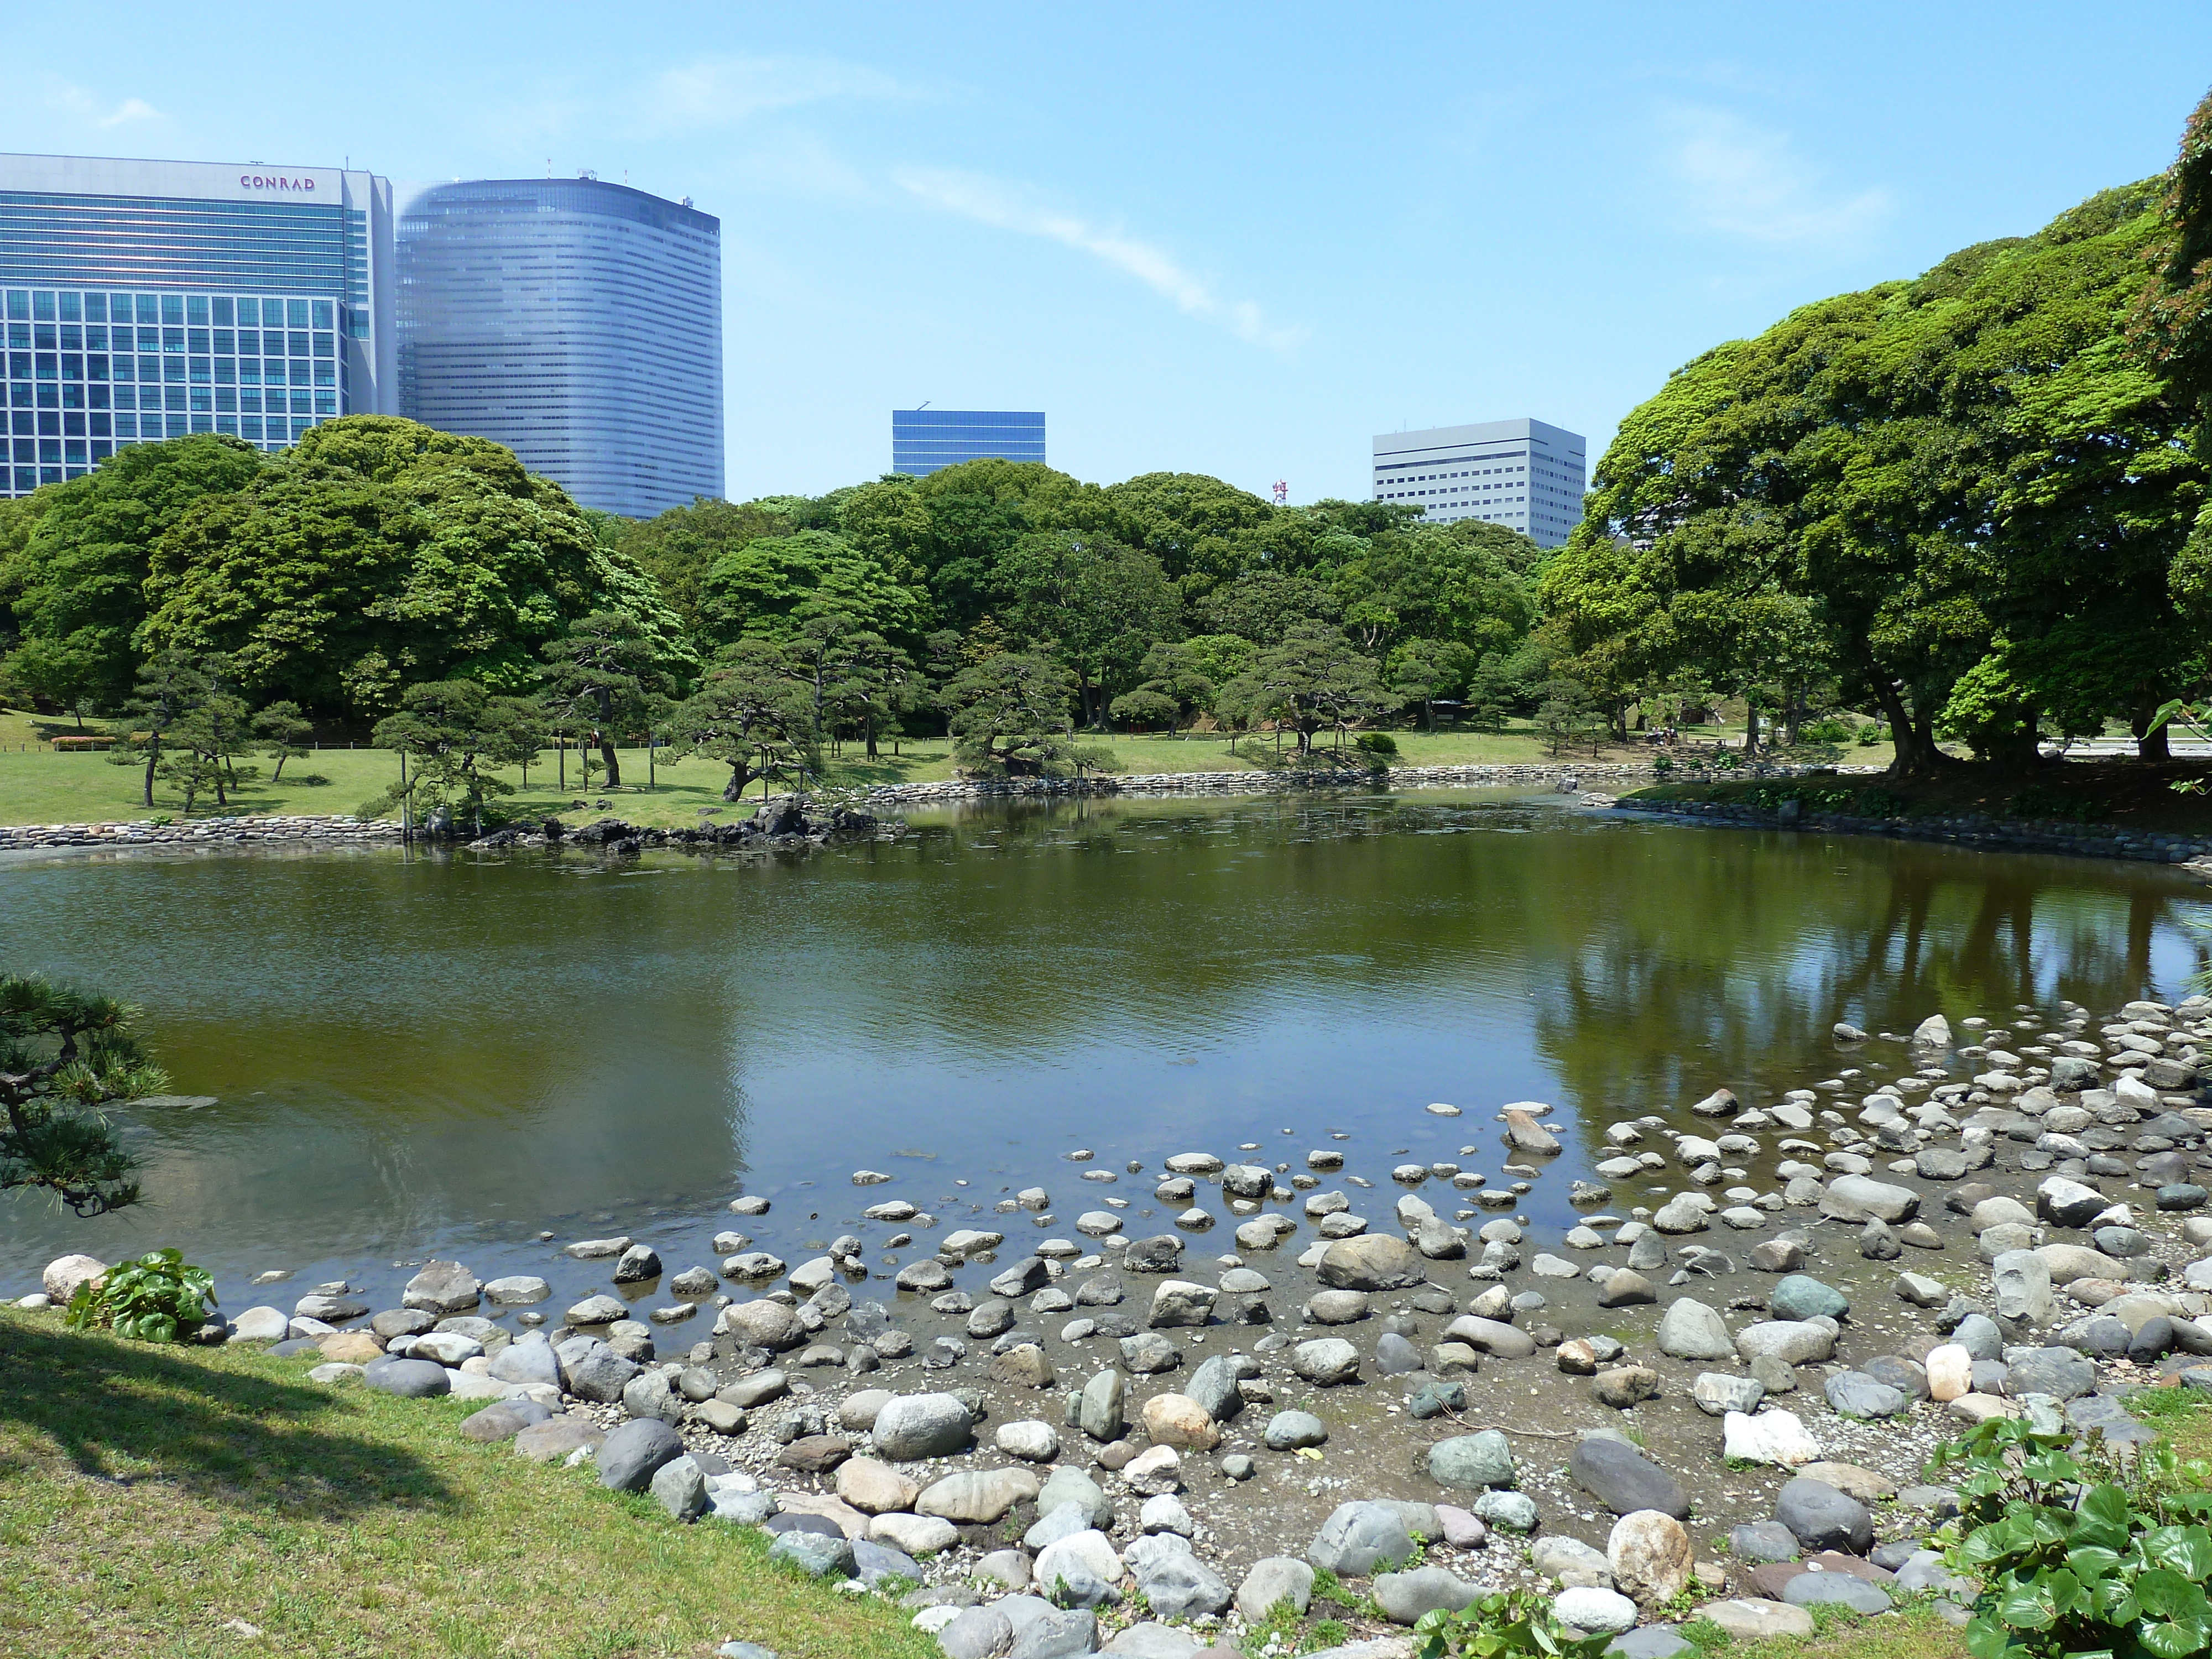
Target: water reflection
[{"x": 442, "y": 1054}]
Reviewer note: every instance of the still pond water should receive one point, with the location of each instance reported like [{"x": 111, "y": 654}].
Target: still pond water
[{"x": 414, "y": 1056}]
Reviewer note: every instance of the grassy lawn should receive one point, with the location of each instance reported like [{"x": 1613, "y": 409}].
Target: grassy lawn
[
  {"x": 40, "y": 786},
  {"x": 150, "y": 1496}
]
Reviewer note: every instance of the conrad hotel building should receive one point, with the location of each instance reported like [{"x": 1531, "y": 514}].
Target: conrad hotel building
[{"x": 145, "y": 300}]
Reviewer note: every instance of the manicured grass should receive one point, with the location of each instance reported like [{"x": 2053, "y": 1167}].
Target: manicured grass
[
  {"x": 42, "y": 787},
  {"x": 150, "y": 1496}
]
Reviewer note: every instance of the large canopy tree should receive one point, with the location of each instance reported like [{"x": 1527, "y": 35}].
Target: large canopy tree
[
  {"x": 773, "y": 585},
  {"x": 1963, "y": 480},
  {"x": 378, "y": 553}
]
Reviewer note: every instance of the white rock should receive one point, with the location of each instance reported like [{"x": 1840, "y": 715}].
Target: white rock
[
  {"x": 1774, "y": 1437},
  {"x": 1599, "y": 1612},
  {"x": 1950, "y": 1372}
]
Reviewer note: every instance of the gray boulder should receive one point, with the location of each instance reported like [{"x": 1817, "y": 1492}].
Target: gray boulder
[
  {"x": 632, "y": 1453},
  {"x": 1820, "y": 1517},
  {"x": 679, "y": 1486},
  {"x": 532, "y": 1360},
  {"x": 1854, "y": 1394},
  {"x": 1623, "y": 1479},
  {"x": 1472, "y": 1462},
  {"x": 443, "y": 1288},
  {"x": 918, "y": 1425},
  {"x": 1102, "y": 1414},
  {"x": 1861, "y": 1198},
  {"x": 816, "y": 1554},
  {"x": 590, "y": 1370},
  {"x": 410, "y": 1379},
  {"x": 1691, "y": 1330},
  {"x": 1277, "y": 1578},
  {"x": 1799, "y": 1297},
  {"x": 1213, "y": 1384},
  {"x": 1405, "y": 1596},
  {"x": 1371, "y": 1261},
  {"x": 1356, "y": 1536}
]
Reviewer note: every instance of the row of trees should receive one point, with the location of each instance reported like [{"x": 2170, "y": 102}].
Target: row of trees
[{"x": 1971, "y": 505}]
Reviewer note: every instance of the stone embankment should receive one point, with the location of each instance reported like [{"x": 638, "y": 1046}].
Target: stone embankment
[
  {"x": 1248, "y": 783},
  {"x": 1122, "y": 1442},
  {"x": 1964, "y": 830},
  {"x": 199, "y": 832}
]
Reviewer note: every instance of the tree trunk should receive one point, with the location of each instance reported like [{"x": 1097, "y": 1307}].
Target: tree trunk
[
  {"x": 868, "y": 722},
  {"x": 740, "y": 775},
  {"x": 153, "y": 757},
  {"x": 1917, "y": 757},
  {"x": 613, "y": 766},
  {"x": 217, "y": 770},
  {"x": 1750, "y": 729},
  {"x": 2151, "y": 745}
]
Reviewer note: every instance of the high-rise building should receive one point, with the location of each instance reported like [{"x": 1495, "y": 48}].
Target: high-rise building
[
  {"x": 147, "y": 300},
  {"x": 1520, "y": 473},
  {"x": 924, "y": 439},
  {"x": 578, "y": 323}
]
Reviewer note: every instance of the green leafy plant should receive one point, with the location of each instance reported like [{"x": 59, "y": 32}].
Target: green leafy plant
[
  {"x": 1376, "y": 743},
  {"x": 2073, "y": 1565},
  {"x": 1499, "y": 1625},
  {"x": 158, "y": 1297},
  {"x": 1662, "y": 763}
]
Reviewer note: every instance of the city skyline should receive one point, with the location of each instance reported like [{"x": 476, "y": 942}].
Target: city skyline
[{"x": 1175, "y": 255}]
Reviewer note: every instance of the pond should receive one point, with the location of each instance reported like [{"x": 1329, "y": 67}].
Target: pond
[{"x": 413, "y": 1055}]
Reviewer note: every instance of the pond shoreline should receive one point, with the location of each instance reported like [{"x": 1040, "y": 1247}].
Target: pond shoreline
[{"x": 1972, "y": 830}]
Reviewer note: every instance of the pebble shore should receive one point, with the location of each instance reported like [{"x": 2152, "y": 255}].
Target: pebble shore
[{"x": 1715, "y": 1391}]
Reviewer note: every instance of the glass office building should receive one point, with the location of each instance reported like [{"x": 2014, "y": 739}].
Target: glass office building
[
  {"x": 146, "y": 299},
  {"x": 1523, "y": 474},
  {"x": 924, "y": 439},
  {"x": 576, "y": 322}
]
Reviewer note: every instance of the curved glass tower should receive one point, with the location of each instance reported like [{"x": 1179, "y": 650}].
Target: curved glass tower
[{"x": 576, "y": 322}]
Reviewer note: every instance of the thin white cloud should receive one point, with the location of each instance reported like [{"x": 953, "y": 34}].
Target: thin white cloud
[
  {"x": 1749, "y": 182},
  {"x": 991, "y": 203},
  {"x": 719, "y": 92},
  {"x": 75, "y": 100}
]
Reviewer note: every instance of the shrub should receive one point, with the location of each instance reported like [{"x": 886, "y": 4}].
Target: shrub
[
  {"x": 158, "y": 1298},
  {"x": 2043, "y": 801},
  {"x": 1828, "y": 731},
  {"x": 1869, "y": 736},
  {"x": 1662, "y": 763},
  {"x": 1502, "y": 1626},
  {"x": 2070, "y": 1564},
  {"x": 1376, "y": 743}
]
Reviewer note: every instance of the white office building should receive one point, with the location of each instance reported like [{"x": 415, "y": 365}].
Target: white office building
[
  {"x": 1523, "y": 474},
  {"x": 149, "y": 300}
]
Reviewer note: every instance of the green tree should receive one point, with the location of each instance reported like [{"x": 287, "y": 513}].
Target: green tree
[
  {"x": 678, "y": 547},
  {"x": 750, "y": 713},
  {"x": 284, "y": 732},
  {"x": 378, "y": 553},
  {"x": 457, "y": 735},
  {"x": 1095, "y": 604},
  {"x": 1176, "y": 690},
  {"x": 774, "y": 584},
  {"x": 1009, "y": 716},
  {"x": 1429, "y": 671},
  {"x": 74, "y": 575},
  {"x": 1467, "y": 583},
  {"x": 604, "y": 678},
  {"x": 1566, "y": 719},
  {"x": 65, "y": 673},
  {"x": 1265, "y": 606},
  {"x": 170, "y": 685},
  {"x": 63, "y": 1053},
  {"x": 1314, "y": 680}
]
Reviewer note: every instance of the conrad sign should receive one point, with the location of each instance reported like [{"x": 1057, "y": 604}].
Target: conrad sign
[{"x": 274, "y": 181}]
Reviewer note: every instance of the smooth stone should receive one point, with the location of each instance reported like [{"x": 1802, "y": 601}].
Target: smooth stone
[{"x": 1622, "y": 1479}]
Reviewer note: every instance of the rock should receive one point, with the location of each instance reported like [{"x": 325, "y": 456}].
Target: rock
[
  {"x": 1821, "y": 1518},
  {"x": 1166, "y": 1514},
  {"x": 1679, "y": 1216},
  {"x": 553, "y": 1440},
  {"x": 981, "y": 1633},
  {"x": 2019, "y": 1285},
  {"x": 1177, "y": 1302},
  {"x": 410, "y": 1379},
  {"x": 1472, "y": 1462},
  {"x": 1794, "y": 1342},
  {"x": 590, "y": 1370},
  {"x": 752, "y": 1391},
  {"x": 1325, "y": 1361},
  {"x": 65, "y": 1272},
  {"x": 1762, "y": 1540},
  {"x": 875, "y": 1487},
  {"x": 1854, "y": 1394},
  {"x": 1626, "y": 1288},
  {"x": 1148, "y": 1352},
  {"x": 1572, "y": 1562},
  {"x": 679, "y": 1486},
  {"x": 1598, "y": 1612},
  {"x": 911, "y": 1426},
  {"x": 1372, "y": 1261},
  {"x": 763, "y": 1324},
  {"x": 1691, "y": 1330},
  {"x": 443, "y": 1288},
  {"x": 1623, "y": 1479},
  {"x": 1032, "y": 1441},
  {"x": 1153, "y": 1472},
  {"x": 1774, "y": 1437},
  {"x": 1624, "y": 1386},
  {"x": 1758, "y": 1620},
  {"x": 1491, "y": 1336},
  {"x": 977, "y": 1496},
  {"x": 1649, "y": 1553},
  {"x": 1101, "y": 1415},
  {"x": 1950, "y": 1372},
  {"x": 1649, "y": 1642},
  {"x": 917, "y": 1535},
  {"x": 1405, "y": 1596},
  {"x": 2068, "y": 1203},
  {"x": 1358, "y": 1535},
  {"x": 1175, "y": 1582},
  {"x": 1288, "y": 1431},
  {"x": 1719, "y": 1393},
  {"x": 2059, "y": 1372},
  {"x": 1812, "y": 1589},
  {"x": 253, "y": 1325},
  {"x": 816, "y": 1555},
  {"x": 529, "y": 1361},
  {"x": 1921, "y": 1291},
  {"x": 1152, "y": 1640},
  {"x": 1213, "y": 1384},
  {"x": 1337, "y": 1307},
  {"x": 1272, "y": 1581},
  {"x": 640, "y": 1264},
  {"x": 1801, "y": 1298},
  {"x": 1025, "y": 1365},
  {"x": 1088, "y": 1552},
  {"x": 1508, "y": 1511},
  {"x": 1177, "y": 1421},
  {"x": 632, "y": 1453},
  {"x": 1860, "y": 1199}
]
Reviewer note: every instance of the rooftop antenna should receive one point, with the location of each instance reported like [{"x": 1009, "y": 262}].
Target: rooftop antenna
[
  {"x": 1282, "y": 492},
  {"x": 549, "y": 167},
  {"x": 923, "y": 404}
]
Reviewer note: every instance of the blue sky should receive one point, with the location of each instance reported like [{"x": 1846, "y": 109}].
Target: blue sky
[{"x": 1229, "y": 240}]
